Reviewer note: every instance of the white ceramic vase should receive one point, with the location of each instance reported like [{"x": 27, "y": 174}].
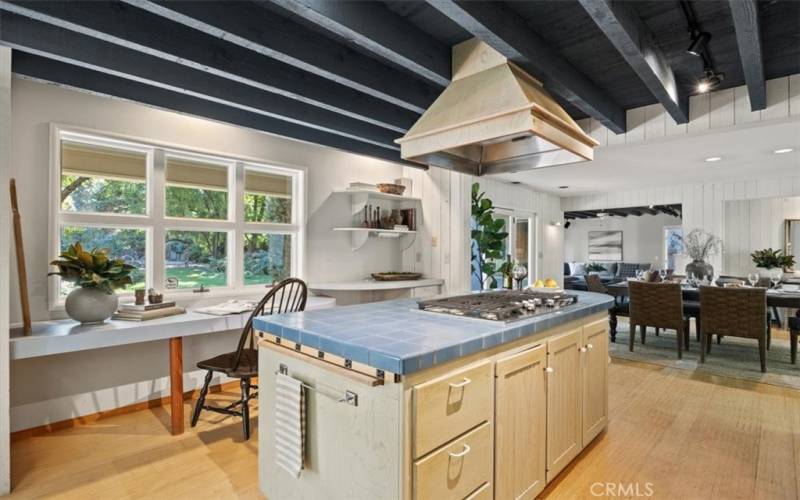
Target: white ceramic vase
[
  {"x": 767, "y": 273},
  {"x": 90, "y": 305}
]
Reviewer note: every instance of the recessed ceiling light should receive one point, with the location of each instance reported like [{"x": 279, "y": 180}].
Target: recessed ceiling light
[
  {"x": 783, "y": 150},
  {"x": 713, "y": 158},
  {"x": 565, "y": 187}
]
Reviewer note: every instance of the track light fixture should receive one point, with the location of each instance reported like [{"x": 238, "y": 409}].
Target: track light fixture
[
  {"x": 698, "y": 43},
  {"x": 567, "y": 224},
  {"x": 711, "y": 79}
]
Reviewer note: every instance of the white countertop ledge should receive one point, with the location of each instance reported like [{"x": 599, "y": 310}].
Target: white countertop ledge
[
  {"x": 370, "y": 284},
  {"x": 63, "y": 336}
]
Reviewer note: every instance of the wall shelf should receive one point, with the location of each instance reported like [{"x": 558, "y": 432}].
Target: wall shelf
[
  {"x": 360, "y": 235},
  {"x": 376, "y": 195},
  {"x": 359, "y": 199}
]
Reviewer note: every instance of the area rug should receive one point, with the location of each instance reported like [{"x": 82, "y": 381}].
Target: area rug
[{"x": 734, "y": 358}]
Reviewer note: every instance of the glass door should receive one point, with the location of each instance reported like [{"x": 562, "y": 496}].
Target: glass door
[
  {"x": 672, "y": 245},
  {"x": 522, "y": 236}
]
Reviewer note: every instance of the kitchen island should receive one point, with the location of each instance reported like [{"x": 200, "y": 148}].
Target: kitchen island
[{"x": 409, "y": 404}]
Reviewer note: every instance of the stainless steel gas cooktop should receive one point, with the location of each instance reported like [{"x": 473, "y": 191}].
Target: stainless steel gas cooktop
[{"x": 504, "y": 305}]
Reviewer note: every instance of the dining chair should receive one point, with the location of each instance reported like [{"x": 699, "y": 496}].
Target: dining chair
[
  {"x": 289, "y": 295},
  {"x": 659, "y": 305},
  {"x": 595, "y": 284},
  {"x": 734, "y": 312}
]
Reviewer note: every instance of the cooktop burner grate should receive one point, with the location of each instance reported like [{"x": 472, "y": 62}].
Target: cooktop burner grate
[{"x": 505, "y": 305}]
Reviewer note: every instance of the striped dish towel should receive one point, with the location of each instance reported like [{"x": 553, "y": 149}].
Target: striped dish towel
[{"x": 290, "y": 424}]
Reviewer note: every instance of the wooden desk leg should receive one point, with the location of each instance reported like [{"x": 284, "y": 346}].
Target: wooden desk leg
[{"x": 176, "y": 383}]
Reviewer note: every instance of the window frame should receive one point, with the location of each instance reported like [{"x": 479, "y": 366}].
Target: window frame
[{"x": 156, "y": 223}]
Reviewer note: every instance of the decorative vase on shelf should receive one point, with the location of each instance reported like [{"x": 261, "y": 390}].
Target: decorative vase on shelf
[
  {"x": 91, "y": 305},
  {"x": 699, "y": 269}
]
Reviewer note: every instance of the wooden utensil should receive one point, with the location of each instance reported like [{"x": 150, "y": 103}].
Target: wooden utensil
[{"x": 21, "y": 273}]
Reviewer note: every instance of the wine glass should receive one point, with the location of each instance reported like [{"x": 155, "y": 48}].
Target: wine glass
[
  {"x": 752, "y": 278},
  {"x": 662, "y": 273},
  {"x": 519, "y": 273},
  {"x": 690, "y": 279},
  {"x": 775, "y": 279},
  {"x": 639, "y": 274}
]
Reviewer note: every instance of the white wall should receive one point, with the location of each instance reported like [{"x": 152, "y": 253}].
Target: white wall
[
  {"x": 108, "y": 378},
  {"x": 642, "y": 237},
  {"x": 753, "y": 225},
  {"x": 59, "y": 387},
  {"x": 5, "y": 281},
  {"x": 703, "y": 203},
  {"x": 446, "y": 211}
]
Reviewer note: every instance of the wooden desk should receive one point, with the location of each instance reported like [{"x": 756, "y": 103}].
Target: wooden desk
[{"x": 65, "y": 336}]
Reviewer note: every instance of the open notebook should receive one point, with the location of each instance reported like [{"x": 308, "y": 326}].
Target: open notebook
[{"x": 229, "y": 307}]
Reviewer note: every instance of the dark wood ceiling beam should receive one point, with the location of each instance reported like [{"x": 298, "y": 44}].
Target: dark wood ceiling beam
[
  {"x": 258, "y": 29},
  {"x": 618, "y": 213},
  {"x": 43, "y": 69},
  {"x": 142, "y": 31},
  {"x": 748, "y": 38},
  {"x": 629, "y": 35},
  {"x": 500, "y": 27},
  {"x": 39, "y": 38},
  {"x": 376, "y": 29}
]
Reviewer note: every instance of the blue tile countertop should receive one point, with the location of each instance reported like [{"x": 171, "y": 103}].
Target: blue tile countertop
[{"x": 396, "y": 336}]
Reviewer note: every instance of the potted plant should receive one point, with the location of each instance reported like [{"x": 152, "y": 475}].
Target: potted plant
[
  {"x": 699, "y": 245},
  {"x": 488, "y": 237},
  {"x": 96, "y": 276},
  {"x": 770, "y": 262},
  {"x": 594, "y": 268}
]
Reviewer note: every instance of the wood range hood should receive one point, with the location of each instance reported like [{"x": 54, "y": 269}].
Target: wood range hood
[{"x": 494, "y": 118}]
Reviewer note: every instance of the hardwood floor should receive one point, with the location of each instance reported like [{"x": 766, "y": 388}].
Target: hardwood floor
[{"x": 688, "y": 436}]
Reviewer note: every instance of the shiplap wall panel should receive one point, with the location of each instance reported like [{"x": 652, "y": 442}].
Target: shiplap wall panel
[
  {"x": 723, "y": 108},
  {"x": 794, "y": 95},
  {"x": 777, "y": 99},
  {"x": 720, "y": 108},
  {"x": 741, "y": 107}
]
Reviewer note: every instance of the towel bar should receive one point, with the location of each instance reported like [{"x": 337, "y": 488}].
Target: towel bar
[{"x": 350, "y": 397}]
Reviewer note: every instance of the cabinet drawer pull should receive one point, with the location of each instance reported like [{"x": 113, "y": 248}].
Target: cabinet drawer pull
[
  {"x": 461, "y": 384},
  {"x": 589, "y": 346},
  {"x": 461, "y": 453},
  {"x": 582, "y": 349},
  {"x": 549, "y": 369}
]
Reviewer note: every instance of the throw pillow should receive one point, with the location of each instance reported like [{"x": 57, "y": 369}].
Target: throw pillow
[
  {"x": 627, "y": 270},
  {"x": 578, "y": 268}
]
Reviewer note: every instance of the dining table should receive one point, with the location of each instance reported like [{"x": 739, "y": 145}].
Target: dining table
[{"x": 778, "y": 297}]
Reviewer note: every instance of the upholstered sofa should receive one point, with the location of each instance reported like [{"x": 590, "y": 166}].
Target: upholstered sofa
[{"x": 614, "y": 272}]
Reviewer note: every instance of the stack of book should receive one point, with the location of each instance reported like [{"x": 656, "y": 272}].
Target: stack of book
[{"x": 133, "y": 312}]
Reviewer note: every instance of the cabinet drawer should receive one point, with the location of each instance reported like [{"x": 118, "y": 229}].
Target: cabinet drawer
[
  {"x": 482, "y": 493},
  {"x": 456, "y": 469},
  {"x": 450, "y": 406}
]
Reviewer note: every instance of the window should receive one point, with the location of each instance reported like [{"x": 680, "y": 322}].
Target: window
[
  {"x": 102, "y": 179},
  {"x": 196, "y": 190},
  {"x": 223, "y": 223},
  {"x": 267, "y": 197}
]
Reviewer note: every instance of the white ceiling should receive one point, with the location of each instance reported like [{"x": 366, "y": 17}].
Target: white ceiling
[{"x": 746, "y": 152}]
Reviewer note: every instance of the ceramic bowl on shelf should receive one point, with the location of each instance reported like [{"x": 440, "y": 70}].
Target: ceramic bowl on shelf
[{"x": 397, "y": 189}]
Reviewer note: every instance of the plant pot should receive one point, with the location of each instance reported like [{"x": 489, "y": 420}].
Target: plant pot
[
  {"x": 90, "y": 305},
  {"x": 768, "y": 272},
  {"x": 700, "y": 269}
]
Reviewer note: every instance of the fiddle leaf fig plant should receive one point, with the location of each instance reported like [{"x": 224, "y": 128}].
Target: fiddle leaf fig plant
[
  {"x": 93, "y": 269},
  {"x": 488, "y": 238},
  {"x": 772, "y": 259}
]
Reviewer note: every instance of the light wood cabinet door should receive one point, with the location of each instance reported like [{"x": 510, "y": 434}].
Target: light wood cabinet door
[
  {"x": 520, "y": 424},
  {"x": 595, "y": 379},
  {"x": 564, "y": 395}
]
